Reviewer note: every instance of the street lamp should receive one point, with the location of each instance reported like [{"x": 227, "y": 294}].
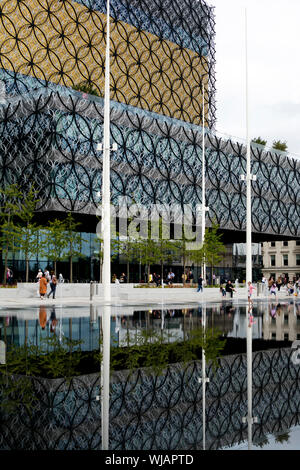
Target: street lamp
[
  {"x": 106, "y": 268},
  {"x": 248, "y": 178},
  {"x": 105, "y": 147},
  {"x": 204, "y": 208}
]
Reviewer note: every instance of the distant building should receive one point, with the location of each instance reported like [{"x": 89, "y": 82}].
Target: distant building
[{"x": 281, "y": 259}]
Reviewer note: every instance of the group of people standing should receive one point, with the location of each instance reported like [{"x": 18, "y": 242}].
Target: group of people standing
[
  {"x": 45, "y": 278},
  {"x": 274, "y": 286},
  {"x": 116, "y": 280}
]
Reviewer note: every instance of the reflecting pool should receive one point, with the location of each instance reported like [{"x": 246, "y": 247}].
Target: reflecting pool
[
  {"x": 177, "y": 378},
  {"x": 273, "y": 321}
]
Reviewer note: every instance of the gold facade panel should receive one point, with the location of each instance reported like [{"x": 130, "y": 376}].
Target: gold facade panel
[{"x": 64, "y": 43}]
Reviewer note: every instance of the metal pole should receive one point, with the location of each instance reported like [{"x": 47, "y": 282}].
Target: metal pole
[
  {"x": 248, "y": 176},
  {"x": 203, "y": 179},
  {"x": 249, "y": 376},
  {"x": 204, "y": 379},
  {"x": 106, "y": 277},
  {"x": 106, "y": 268},
  {"x": 105, "y": 369}
]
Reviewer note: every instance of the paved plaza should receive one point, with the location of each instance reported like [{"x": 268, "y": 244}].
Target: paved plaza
[{"x": 80, "y": 295}]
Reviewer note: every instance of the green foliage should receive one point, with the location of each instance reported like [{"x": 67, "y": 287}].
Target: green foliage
[
  {"x": 25, "y": 362},
  {"x": 86, "y": 87},
  {"x": 73, "y": 241},
  {"x": 260, "y": 141},
  {"x": 10, "y": 213},
  {"x": 282, "y": 438},
  {"x": 55, "y": 242},
  {"x": 63, "y": 359},
  {"x": 154, "y": 350},
  {"x": 262, "y": 442},
  {"x": 279, "y": 145},
  {"x": 150, "y": 349},
  {"x": 16, "y": 392},
  {"x": 53, "y": 357},
  {"x": 213, "y": 248}
]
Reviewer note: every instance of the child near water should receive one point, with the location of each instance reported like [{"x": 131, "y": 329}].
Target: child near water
[{"x": 250, "y": 291}]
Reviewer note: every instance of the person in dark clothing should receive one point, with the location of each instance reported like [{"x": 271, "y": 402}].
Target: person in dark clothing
[
  {"x": 53, "y": 284},
  {"x": 200, "y": 284},
  {"x": 229, "y": 288}
]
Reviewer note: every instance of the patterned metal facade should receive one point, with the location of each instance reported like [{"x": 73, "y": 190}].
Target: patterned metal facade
[
  {"x": 162, "y": 52},
  {"x": 156, "y": 412}
]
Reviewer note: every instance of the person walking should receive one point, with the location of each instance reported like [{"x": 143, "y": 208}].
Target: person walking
[
  {"x": 9, "y": 276},
  {"x": 43, "y": 286},
  {"x": 200, "y": 284},
  {"x": 53, "y": 284},
  {"x": 250, "y": 292},
  {"x": 273, "y": 289},
  {"x": 38, "y": 277}
]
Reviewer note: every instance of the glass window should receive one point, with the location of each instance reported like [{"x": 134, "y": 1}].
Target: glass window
[
  {"x": 273, "y": 260},
  {"x": 285, "y": 243},
  {"x": 285, "y": 260},
  {"x": 273, "y": 243},
  {"x": 297, "y": 242},
  {"x": 298, "y": 259}
]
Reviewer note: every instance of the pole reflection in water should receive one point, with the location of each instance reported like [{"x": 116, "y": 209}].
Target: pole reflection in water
[
  {"x": 249, "y": 418},
  {"x": 105, "y": 373},
  {"x": 204, "y": 379}
]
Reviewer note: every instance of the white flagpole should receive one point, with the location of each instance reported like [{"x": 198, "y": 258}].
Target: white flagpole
[
  {"x": 203, "y": 179},
  {"x": 248, "y": 175},
  {"x": 106, "y": 279},
  {"x": 249, "y": 178}
]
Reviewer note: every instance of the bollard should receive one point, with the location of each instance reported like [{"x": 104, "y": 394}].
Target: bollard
[
  {"x": 91, "y": 290},
  {"x": 259, "y": 288},
  {"x": 2, "y": 352}
]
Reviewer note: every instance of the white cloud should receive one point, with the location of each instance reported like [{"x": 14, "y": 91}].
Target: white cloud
[{"x": 274, "y": 69}]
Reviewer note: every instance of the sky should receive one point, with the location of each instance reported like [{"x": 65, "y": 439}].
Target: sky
[{"x": 273, "y": 67}]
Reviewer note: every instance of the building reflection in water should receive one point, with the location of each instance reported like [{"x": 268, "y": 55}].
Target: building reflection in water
[
  {"x": 278, "y": 321},
  {"x": 268, "y": 320}
]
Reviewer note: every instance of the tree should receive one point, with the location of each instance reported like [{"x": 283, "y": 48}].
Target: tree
[
  {"x": 149, "y": 252},
  {"x": 55, "y": 242},
  {"x": 10, "y": 211},
  {"x": 213, "y": 248},
  {"x": 73, "y": 241},
  {"x": 165, "y": 249},
  {"x": 197, "y": 256},
  {"x": 29, "y": 232},
  {"x": 181, "y": 249},
  {"x": 86, "y": 87},
  {"x": 128, "y": 250},
  {"x": 259, "y": 141},
  {"x": 279, "y": 145},
  {"x": 114, "y": 247}
]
